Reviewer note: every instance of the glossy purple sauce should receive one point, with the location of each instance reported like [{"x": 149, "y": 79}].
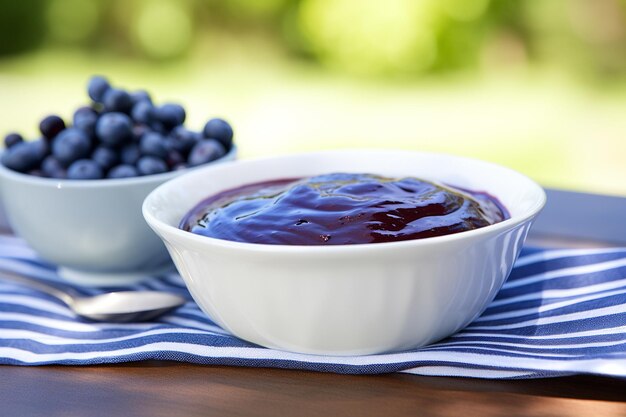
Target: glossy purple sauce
[{"x": 341, "y": 209}]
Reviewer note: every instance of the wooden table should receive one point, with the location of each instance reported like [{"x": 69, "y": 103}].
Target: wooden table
[{"x": 174, "y": 389}]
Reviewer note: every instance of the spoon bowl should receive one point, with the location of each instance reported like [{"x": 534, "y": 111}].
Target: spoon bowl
[{"x": 126, "y": 306}]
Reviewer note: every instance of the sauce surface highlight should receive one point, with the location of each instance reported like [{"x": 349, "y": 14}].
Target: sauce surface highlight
[{"x": 340, "y": 209}]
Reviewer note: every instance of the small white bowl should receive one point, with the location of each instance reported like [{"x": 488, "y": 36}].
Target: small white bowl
[
  {"x": 92, "y": 229},
  {"x": 347, "y": 299}
]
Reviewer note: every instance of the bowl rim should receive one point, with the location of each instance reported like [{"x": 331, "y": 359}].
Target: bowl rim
[
  {"x": 495, "y": 228},
  {"x": 106, "y": 182}
]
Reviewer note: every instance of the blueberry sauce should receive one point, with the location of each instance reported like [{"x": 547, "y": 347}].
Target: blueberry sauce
[{"x": 340, "y": 209}]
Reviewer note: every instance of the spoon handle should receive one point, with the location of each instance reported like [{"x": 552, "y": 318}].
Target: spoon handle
[{"x": 38, "y": 285}]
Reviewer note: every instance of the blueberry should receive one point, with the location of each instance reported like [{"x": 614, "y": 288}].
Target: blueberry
[
  {"x": 116, "y": 100},
  {"x": 42, "y": 147},
  {"x": 140, "y": 95},
  {"x": 114, "y": 128},
  {"x": 206, "y": 150},
  {"x": 85, "y": 118},
  {"x": 220, "y": 130},
  {"x": 153, "y": 144},
  {"x": 148, "y": 165},
  {"x": 12, "y": 139},
  {"x": 97, "y": 87},
  {"x": 123, "y": 171},
  {"x": 171, "y": 115},
  {"x": 70, "y": 145},
  {"x": 105, "y": 157},
  {"x": 159, "y": 127},
  {"x": 183, "y": 140},
  {"x": 51, "y": 125},
  {"x": 84, "y": 169},
  {"x": 143, "y": 112},
  {"x": 130, "y": 154},
  {"x": 139, "y": 131},
  {"x": 22, "y": 157},
  {"x": 51, "y": 167}
]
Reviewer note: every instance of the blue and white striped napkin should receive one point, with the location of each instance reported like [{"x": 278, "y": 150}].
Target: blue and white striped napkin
[{"x": 561, "y": 312}]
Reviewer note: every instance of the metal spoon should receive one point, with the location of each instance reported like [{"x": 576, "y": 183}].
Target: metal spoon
[{"x": 119, "y": 307}]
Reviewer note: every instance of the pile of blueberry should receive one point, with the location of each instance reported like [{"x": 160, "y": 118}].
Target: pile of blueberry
[{"x": 119, "y": 135}]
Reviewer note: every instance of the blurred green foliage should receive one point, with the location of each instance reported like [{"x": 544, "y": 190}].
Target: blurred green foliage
[
  {"x": 537, "y": 85},
  {"x": 391, "y": 38},
  {"x": 20, "y": 28}
]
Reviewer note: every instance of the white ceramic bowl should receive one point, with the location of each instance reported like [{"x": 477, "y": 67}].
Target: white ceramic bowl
[
  {"x": 346, "y": 299},
  {"x": 92, "y": 229}
]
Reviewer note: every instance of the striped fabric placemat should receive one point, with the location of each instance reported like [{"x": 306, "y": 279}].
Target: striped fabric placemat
[{"x": 561, "y": 312}]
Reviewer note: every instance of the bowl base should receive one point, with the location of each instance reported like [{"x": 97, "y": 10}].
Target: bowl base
[{"x": 110, "y": 279}]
